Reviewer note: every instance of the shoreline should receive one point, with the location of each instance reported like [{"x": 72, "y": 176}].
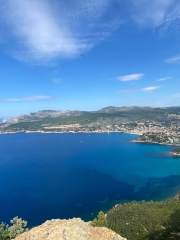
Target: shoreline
[
  {"x": 167, "y": 144},
  {"x": 71, "y": 132}
]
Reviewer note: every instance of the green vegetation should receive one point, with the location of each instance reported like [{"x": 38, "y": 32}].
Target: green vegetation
[
  {"x": 146, "y": 220},
  {"x": 98, "y": 120},
  {"x": 100, "y": 221},
  {"x": 17, "y": 227},
  {"x": 131, "y": 125},
  {"x": 4, "y": 235}
]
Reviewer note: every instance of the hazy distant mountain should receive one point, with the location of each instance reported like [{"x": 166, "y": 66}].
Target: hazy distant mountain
[
  {"x": 42, "y": 114},
  {"x": 112, "y": 109}
]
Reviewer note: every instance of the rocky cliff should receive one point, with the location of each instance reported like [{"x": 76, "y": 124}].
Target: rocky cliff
[{"x": 73, "y": 229}]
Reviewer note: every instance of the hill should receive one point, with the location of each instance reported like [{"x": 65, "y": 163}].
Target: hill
[
  {"x": 159, "y": 125},
  {"x": 146, "y": 220}
]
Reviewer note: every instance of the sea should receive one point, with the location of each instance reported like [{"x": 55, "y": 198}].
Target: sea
[{"x": 49, "y": 176}]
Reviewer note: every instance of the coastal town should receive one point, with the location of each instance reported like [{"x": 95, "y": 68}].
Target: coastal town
[{"x": 164, "y": 130}]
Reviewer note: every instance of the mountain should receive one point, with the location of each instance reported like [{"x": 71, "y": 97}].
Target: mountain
[
  {"x": 107, "y": 119},
  {"x": 41, "y": 115},
  {"x": 112, "y": 109}
]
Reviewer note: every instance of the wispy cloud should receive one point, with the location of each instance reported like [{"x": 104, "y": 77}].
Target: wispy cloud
[
  {"x": 57, "y": 80},
  {"x": 151, "y": 88},
  {"x": 130, "y": 77},
  {"x": 163, "y": 79},
  {"x": 173, "y": 60},
  {"x": 27, "y": 99},
  {"x": 129, "y": 91},
  {"x": 171, "y": 22},
  {"x": 44, "y": 31},
  {"x": 151, "y": 13}
]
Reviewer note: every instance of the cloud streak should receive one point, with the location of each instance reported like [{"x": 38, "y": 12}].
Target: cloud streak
[
  {"x": 163, "y": 79},
  {"x": 27, "y": 99},
  {"x": 173, "y": 60},
  {"x": 130, "y": 77},
  {"x": 149, "y": 89}
]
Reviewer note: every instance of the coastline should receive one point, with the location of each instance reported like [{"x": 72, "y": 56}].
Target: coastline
[
  {"x": 133, "y": 133},
  {"x": 167, "y": 144},
  {"x": 175, "y": 155}
]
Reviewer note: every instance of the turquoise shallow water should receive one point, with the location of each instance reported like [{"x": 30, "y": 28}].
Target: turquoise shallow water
[{"x": 45, "y": 176}]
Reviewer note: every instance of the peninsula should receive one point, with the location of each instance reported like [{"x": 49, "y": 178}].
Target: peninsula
[{"x": 176, "y": 152}]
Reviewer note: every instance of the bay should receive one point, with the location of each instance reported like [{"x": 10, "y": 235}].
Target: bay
[{"x": 47, "y": 176}]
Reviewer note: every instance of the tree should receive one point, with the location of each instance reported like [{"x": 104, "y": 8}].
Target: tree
[
  {"x": 100, "y": 221},
  {"x": 4, "y": 235},
  {"x": 18, "y": 227}
]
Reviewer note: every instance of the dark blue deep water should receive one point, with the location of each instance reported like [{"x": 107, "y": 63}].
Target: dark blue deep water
[{"x": 46, "y": 176}]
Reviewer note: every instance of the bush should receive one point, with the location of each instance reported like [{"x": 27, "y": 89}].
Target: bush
[
  {"x": 4, "y": 235},
  {"x": 18, "y": 227},
  {"x": 100, "y": 221},
  {"x": 10, "y": 232}
]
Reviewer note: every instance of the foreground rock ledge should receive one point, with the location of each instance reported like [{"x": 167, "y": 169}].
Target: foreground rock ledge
[{"x": 73, "y": 229}]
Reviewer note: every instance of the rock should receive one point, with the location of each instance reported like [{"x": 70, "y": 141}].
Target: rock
[{"x": 73, "y": 229}]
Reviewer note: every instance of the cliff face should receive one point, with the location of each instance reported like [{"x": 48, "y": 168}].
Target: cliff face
[{"x": 73, "y": 229}]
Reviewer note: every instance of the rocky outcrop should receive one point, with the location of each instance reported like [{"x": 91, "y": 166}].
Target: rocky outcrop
[
  {"x": 73, "y": 229},
  {"x": 176, "y": 152}
]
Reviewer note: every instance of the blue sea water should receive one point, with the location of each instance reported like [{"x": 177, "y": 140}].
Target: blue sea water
[{"x": 46, "y": 176}]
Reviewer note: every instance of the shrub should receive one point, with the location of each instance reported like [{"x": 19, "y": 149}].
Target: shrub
[
  {"x": 4, "y": 235},
  {"x": 100, "y": 221},
  {"x": 18, "y": 227}
]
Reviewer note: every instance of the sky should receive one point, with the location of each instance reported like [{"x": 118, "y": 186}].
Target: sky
[{"x": 88, "y": 54}]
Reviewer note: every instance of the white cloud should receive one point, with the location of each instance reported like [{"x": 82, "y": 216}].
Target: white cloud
[
  {"x": 173, "y": 60},
  {"x": 27, "y": 99},
  {"x": 130, "y": 77},
  {"x": 171, "y": 22},
  {"x": 38, "y": 31},
  {"x": 151, "y": 13},
  {"x": 163, "y": 79},
  {"x": 129, "y": 91},
  {"x": 151, "y": 88},
  {"x": 57, "y": 80},
  {"x": 43, "y": 31}
]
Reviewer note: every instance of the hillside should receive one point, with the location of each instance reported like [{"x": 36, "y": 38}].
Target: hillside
[
  {"x": 146, "y": 220},
  {"x": 156, "y": 125}
]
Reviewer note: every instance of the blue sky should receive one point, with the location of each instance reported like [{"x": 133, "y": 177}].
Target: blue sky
[{"x": 131, "y": 54}]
